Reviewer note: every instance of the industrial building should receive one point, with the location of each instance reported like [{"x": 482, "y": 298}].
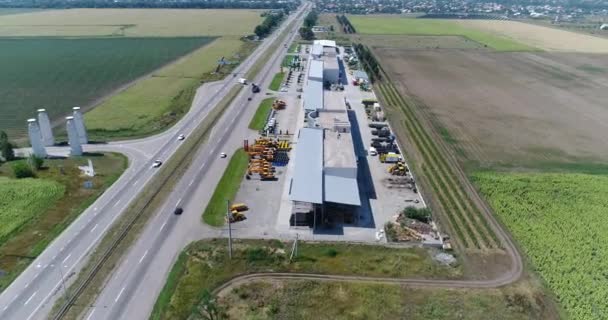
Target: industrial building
[
  {"x": 324, "y": 187},
  {"x": 326, "y": 51}
]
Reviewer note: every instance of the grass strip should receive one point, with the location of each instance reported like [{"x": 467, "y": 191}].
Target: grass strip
[
  {"x": 275, "y": 85},
  {"x": 125, "y": 231},
  {"x": 226, "y": 190},
  {"x": 259, "y": 118},
  {"x": 208, "y": 266}
]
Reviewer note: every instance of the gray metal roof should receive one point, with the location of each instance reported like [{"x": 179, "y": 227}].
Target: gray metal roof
[
  {"x": 307, "y": 181},
  {"x": 313, "y": 95},
  {"x": 340, "y": 189},
  {"x": 317, "y": 50},
  {"x": 315, "y": 70}
]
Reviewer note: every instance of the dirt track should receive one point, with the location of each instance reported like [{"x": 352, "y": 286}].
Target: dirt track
[{"x": 504, "y": 108}]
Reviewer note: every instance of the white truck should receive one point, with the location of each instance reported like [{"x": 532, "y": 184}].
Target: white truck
[{"x": 243, "y": 81}]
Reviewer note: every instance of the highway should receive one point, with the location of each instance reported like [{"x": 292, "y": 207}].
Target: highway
[
  {"x": 34, "y": 292},
  {"x": 132, "y": 290}
]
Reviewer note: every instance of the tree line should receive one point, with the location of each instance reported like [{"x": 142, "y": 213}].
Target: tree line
[
  {"x": 347, "y": 27},
  {"x": 309, "y": 21},
  {"x": 369, "y": 62},
  {"x": 271, "y": 20},
  {"x": 194, "y": 4}
]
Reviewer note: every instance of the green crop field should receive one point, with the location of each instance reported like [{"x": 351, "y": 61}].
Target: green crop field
[
  {"x": 74, "y": 72},
  {"x": 560, "y": 221},
  {"x": 389, "y": 25},
  {"x": 22, "y": 200}
]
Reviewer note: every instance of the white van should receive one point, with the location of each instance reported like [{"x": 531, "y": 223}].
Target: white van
[{"x": 373, "y": 151}]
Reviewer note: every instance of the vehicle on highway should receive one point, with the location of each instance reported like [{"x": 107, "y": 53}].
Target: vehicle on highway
[
  {"x": 255, "y": 88},
  {"x": 178, "y": 211},
  {"x": 181, "y": 137},
  {"x": 223, "y": 155},
  {"x": 242, "y": 81},
  {"x": 157, "y": 163}
]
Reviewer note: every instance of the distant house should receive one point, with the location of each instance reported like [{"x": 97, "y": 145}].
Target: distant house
[
  {"x": 317, "y": 29},
  {"x": 604, "y": 26}
]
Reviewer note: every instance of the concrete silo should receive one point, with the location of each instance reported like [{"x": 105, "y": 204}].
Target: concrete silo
[
  {"x": 73, "y": 138},
  {"x": 80, "y": 128},
  {"x": 46, "y": 131},
  {"x": 35, "y": 138}
]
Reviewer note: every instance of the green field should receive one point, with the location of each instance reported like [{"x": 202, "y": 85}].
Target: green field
[
  {"x": 259, "y": 118},
  {"x": 204, "y": 265},
  {"x": 35, "y": 211},
  {"x": 75, "y": 72},
  {"x": 23, "y": 200},
  {"x": 343, "y": 300},
  {"x": 275, "y": 84},
  {"x": 560, "y": 221},
  {"x": 390, "y": 25},
  {"x": 226, "y": 190}
]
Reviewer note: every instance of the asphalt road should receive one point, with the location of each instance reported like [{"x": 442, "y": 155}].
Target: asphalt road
[
  {"x": 35, "y": 291},
  {"x": 132, "y": 290}
]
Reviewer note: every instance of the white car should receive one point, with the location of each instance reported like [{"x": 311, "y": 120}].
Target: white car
[
  {"x": 181, "y": 137},
  {"x": 157, "y": 164},
  {"x": 223, "y": 155}
]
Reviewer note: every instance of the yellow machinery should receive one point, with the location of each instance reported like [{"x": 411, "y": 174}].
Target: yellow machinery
[
  {"x": 238, "y": 207},
  {"x": 398, "y": 169}
]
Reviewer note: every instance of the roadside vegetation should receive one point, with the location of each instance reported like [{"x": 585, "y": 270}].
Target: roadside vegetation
[
  {"x": 33, "y": 211},
  {"x": 462, "y": 215},
  {"x": 259, "y": 118},
  {"x": 391, "y": 25},
  {"x": 226, "y": 190},
  {"x": 560, "y": 221},
  {"x": 275, "y": 84},
  {"x": 207, "y": 266},
  {"x": 344, "y": 300}
]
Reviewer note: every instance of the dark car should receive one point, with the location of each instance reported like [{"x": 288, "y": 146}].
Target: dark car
[{"x": 178, "y": 211}]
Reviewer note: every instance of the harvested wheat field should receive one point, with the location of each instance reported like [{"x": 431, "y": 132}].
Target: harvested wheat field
[
  {"x": 545, "y": 38},
  {"x": 510, "y": 108}
]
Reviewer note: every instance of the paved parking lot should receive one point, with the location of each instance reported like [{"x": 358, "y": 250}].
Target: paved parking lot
[{"x": 270, "y": 207}]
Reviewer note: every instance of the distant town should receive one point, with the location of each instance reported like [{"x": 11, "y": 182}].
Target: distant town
[{"x": 559, "y": 9}]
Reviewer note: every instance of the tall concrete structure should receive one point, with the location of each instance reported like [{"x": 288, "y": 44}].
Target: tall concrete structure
[
  {"x": 73, "y": 138},
  {"x": 80, "y": 128},
  {"x": 35, "y": 138},
  {"x": 46, "y": 131}
]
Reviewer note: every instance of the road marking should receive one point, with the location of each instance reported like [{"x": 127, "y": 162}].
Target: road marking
[
  {"x": 136, "y": 182},
  {"x": 161, "y": 227},
  {"x": 91, "y": 314},
  {"x": 142, "y": 257},
  {"x": 30, "y": 299},
  {"x": 117, "y": 202},
  {"x": 178, "y": 201},
  {"x": 27, "y": 284},
  {"x": 119, "y": 294},
  {"x": 203, "y": 165},
  {"x": 191, "y": 182},
  {"x": 95, "y": 227},
  {"x": 61, "y": 249},
  {"x": 95, "y": 209},
  {"x": 66, "y": 258}
]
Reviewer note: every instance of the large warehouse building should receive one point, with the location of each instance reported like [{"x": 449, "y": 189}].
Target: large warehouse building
[{"x": 324, "y": 187}]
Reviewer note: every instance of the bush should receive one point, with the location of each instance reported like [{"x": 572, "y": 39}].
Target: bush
[
  {"x": 422, "y": 214},
  {"x": 22, "y": 170},
  {"x": 35, "y": 162},
  {"x": 331, "y": 252}
]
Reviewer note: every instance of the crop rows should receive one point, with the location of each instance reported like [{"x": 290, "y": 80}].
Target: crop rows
[
  {"x": 23, "y": 200},
  {"x": 463, "y": 216}
]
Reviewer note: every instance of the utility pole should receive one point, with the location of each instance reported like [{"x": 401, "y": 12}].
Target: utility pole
[
  {"x": 228, "y": 213},
  {"x": 294, "y": 249}
]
